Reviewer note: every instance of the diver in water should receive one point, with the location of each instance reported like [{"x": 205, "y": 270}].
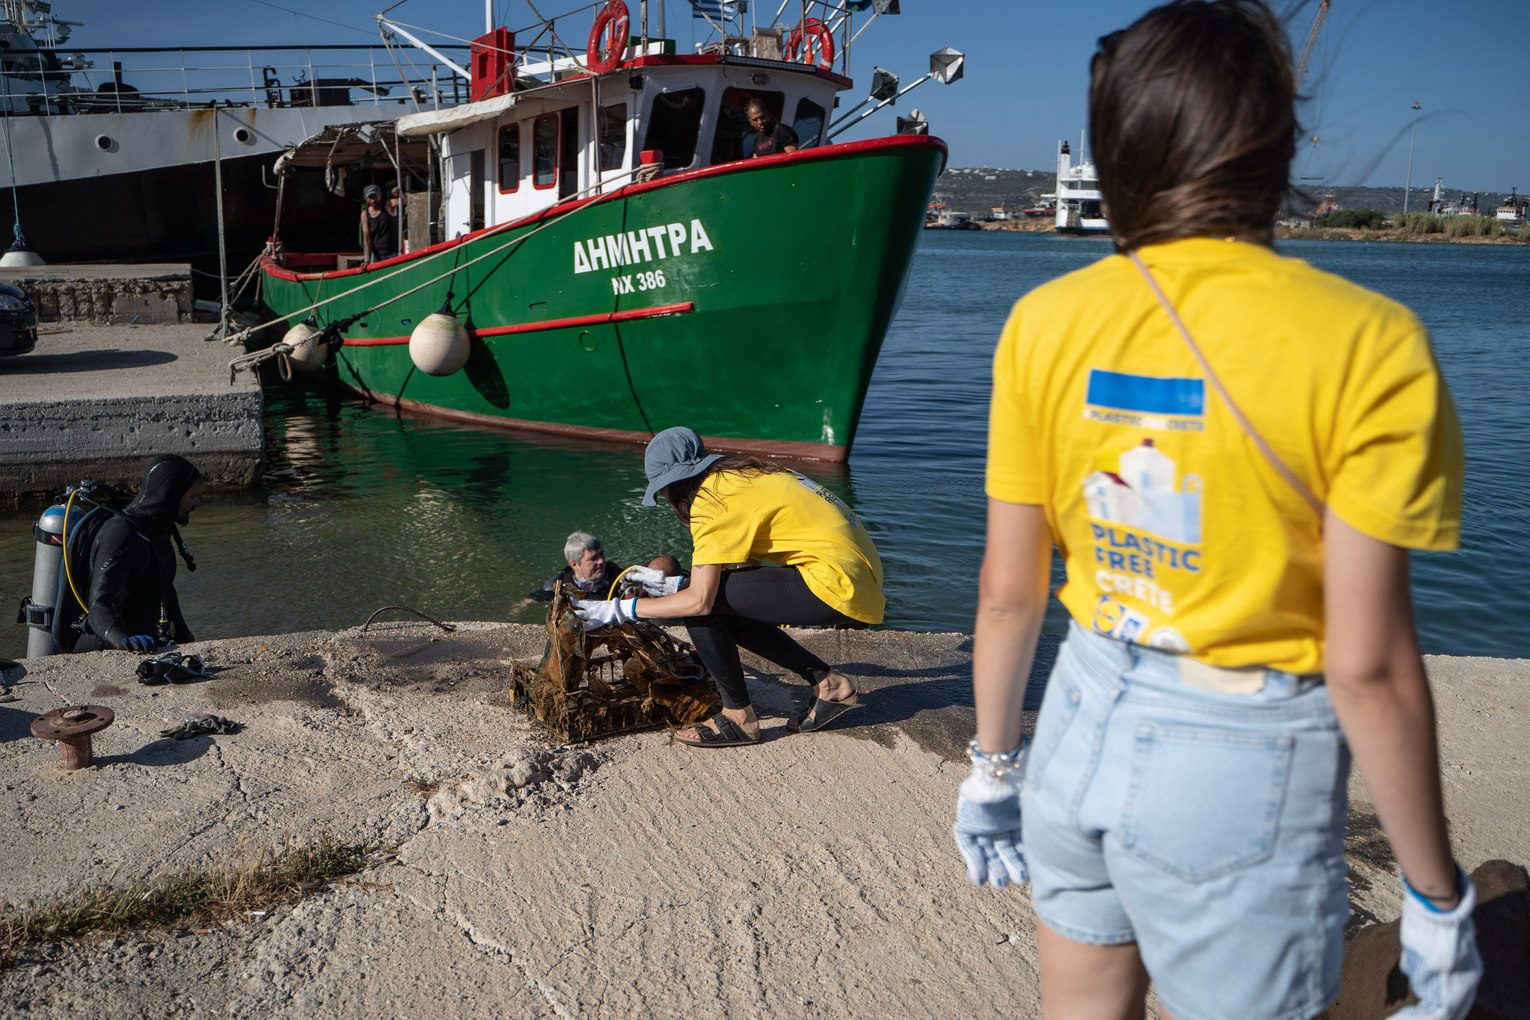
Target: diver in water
[{"x": 133, "y": 604}]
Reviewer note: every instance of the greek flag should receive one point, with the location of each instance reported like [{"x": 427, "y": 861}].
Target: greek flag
[{"x": 718, "y": 10}]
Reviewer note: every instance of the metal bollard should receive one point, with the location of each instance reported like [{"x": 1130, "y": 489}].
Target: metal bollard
[{"x": 72, "y": 726}]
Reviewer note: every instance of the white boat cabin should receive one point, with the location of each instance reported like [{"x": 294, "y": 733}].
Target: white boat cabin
[{"x": 508, "y": 157}]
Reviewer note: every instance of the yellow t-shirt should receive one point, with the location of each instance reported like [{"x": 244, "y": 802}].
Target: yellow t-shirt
[
  {"x": 785, "y": 519},
  {"x": 1175, "y": 530}
]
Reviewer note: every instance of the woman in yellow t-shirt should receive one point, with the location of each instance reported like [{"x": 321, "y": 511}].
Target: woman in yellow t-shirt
[
  {"x": 1233, "y": 453},
  {"x": 770, "y": 547}
]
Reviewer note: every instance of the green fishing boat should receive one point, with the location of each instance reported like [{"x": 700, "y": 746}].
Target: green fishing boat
[{"x": 614, "y": 259}]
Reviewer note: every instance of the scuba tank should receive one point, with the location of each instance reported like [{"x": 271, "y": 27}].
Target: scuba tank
[
  {"x": 62, "y": 574},
  {"x": 39, "y": 608},
  {"x": 97, "y": 505}
]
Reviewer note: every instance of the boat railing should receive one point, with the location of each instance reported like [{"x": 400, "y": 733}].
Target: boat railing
[{"x": 84, "y": 80}]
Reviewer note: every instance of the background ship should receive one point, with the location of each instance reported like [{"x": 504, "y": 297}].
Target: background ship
[{"x": 110, "y": 153}]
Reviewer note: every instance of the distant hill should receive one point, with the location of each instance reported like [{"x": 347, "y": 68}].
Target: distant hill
[{"x": 976, "y": 190}]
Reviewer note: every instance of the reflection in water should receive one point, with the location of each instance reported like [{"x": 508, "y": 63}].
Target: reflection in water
[{"x": 364, "y": 507}]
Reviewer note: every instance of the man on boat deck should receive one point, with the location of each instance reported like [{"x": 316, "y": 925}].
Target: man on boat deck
[
  {"x": 770, "y": 136},
  {"x": 590, "y": 571},
  {"x": 379, "y": 226}
]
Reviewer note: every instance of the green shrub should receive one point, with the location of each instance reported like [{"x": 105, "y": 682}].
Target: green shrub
[{"x": 1365, "y": 219}]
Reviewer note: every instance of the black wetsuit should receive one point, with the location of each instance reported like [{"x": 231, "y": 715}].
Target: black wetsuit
[
  {"x": 595, "y": 589},
  {"x": 132, "y": 561}
]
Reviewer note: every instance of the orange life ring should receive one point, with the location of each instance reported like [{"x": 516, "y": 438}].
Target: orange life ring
[
  {"x": 608, "y": 38},
  {"x": 818, "y": 36}
]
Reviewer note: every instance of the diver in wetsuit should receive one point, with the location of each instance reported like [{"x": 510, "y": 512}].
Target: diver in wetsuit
[{"x": 133, "y": 604}]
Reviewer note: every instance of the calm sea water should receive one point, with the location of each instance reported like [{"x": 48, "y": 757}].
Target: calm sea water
[{"x": 364, "y": 508}]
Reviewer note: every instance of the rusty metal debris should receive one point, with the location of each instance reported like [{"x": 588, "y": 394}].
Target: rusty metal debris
[
  {"x": 615, "y": 680},
  {"x": 72, "y": 726}
]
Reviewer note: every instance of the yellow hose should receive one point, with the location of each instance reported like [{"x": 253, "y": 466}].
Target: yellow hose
[
  {"x": 65, "y": 540},
  {"x": 611, "y": 592}
]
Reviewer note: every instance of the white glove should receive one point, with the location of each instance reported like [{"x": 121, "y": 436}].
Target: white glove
[
  {"x": 987, "y": 828},
  {"x": 654, "y": 581},
  {"x": 594, "y": 614},
  {"x": 1439, "y": 955}
]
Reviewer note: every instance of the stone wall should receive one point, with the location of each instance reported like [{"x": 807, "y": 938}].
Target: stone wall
[{"x": 141, "y": 300}]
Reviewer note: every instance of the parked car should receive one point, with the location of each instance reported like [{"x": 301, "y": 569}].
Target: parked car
[{"x": 18, "y": 321}]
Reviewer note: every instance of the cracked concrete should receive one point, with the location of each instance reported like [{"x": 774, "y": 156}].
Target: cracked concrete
[{"x": 811, "y": 875}]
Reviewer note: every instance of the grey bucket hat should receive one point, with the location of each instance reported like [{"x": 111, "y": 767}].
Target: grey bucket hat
[
  {"x": 673, "y": 456},
  {"x": 370, "y": 190}
]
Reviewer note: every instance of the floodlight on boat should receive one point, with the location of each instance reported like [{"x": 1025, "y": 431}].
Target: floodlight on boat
[
  {"x": 915, "y": 123},
  {"x": 885, "y": 6},
  {"x": 884, "y": 89},
  {"x": 947, "y": 65}
]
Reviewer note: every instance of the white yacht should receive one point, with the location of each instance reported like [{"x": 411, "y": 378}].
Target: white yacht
[{"x": 1077, "y": 203}]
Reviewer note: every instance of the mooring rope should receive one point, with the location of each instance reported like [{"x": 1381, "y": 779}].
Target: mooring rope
[
  {"x": 10, "y": 156},
  {"x": 283, "y": 350}
]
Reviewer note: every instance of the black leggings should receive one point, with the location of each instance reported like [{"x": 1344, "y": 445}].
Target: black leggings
[{"x": 749, "y": 607}]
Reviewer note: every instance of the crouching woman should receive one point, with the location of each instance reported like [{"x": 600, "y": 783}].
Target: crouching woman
[{"x": 770, "y": 547}]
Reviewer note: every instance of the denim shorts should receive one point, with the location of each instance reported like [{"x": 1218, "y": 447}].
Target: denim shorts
[{"x": 1206, "y": 827}]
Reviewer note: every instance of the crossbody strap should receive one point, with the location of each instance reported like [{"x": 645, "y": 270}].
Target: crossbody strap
[{"x": 1248, "y": 428}]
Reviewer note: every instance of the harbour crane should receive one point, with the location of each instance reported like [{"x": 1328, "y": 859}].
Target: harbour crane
[{"x": 1311, "y": 41}]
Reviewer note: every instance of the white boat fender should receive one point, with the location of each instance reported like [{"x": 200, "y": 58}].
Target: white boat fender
[
  {"x": 439, "y": 344},
  {"x": 37, "y": 610},
  {"x": 307, "y": 353}
]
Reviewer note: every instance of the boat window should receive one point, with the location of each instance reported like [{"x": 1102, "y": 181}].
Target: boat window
[
  {"x": 544, "y": 151},
  {"x": 734, "y": 139},
  {"x": 476, "y": 184},
  {"x": 568, "y": 152},
  {"x": 613, "y": 137},
  {"x": 808, "y": 124},
  {"x": 509, "y": 158},
  {"x": 674, "y": 126}
]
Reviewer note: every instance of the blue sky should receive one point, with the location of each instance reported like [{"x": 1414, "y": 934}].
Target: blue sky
[{"x": 1467, "y": 63}]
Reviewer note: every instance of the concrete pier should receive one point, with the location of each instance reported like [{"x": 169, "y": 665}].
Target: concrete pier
[
  {"x": 811, "y": 876},
  {"x": 102, "y": 400}
]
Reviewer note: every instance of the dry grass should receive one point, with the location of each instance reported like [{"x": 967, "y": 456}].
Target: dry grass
[{"x": 184, "y": 899}]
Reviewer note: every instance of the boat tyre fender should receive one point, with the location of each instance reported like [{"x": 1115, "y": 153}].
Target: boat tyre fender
[
  {"x": 608, "y": 37},
  {"x": 819, "y": 40}
]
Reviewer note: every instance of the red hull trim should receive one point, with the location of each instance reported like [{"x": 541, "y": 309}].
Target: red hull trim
[
  {"x": 823, "y": 152},
  {"x": 783, "y": 449},
  {"x": 602, "y": 319}
]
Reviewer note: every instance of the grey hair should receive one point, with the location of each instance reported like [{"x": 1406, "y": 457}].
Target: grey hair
[{"x": 578, "y": 542}]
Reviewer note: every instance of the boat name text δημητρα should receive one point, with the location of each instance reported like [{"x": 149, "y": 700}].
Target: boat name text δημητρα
[{"x": 611, "y": 251}]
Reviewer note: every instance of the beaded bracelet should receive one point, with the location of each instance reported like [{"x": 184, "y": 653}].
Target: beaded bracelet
[{"x": 997, "y": 766}]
